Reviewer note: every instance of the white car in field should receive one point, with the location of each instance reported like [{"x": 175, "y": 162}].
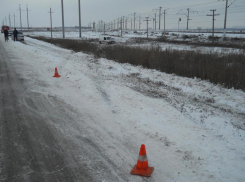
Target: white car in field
[
  {"x": 106, "y": 40},
  {"x": 20, "y": 36}
]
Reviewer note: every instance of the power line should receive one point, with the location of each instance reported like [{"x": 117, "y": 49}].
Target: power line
[{"x": 232, "y": 8}]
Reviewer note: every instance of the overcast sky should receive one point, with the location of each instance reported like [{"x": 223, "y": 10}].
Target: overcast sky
[{"x": 109, "y": 10}]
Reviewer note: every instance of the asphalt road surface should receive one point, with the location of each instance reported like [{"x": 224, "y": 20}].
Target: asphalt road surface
[{"x": 35, "y": 144}]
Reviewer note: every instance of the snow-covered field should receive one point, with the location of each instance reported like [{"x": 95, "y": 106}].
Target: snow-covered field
[
  {"x": 193, "y": 130},
  {"x": 130, "y": 34},
  {"x": 128, "y": 39}
]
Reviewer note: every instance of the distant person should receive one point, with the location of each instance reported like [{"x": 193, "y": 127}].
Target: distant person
[
  {"x": 15, "y": 33},
  {"x": 6, "y": 34}
]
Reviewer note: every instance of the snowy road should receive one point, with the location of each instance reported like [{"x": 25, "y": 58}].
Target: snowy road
[
  {"x": 88, "y": 124},
  {"x": 37, "y": 143}
]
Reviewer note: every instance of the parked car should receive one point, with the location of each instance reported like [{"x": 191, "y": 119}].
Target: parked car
[
  {"x": 20, "y": 36},
  {"x": 10, "y": 33},
  {"x": 106, "y": 40}
]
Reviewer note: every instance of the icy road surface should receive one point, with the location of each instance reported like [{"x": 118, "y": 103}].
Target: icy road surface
[{"x": 88, "y": 124}]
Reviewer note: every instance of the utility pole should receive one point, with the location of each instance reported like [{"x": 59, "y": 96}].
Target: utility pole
[
  {"x": 9, "y": 21},
  {"x": 131, "y": 23},
  {"x": 27, "y": 17},
  {"x": 126, "y": 23},
  {"x": 226, "y": 6},
  {"x": 101, "y": 25},
  {"x": 20, "y": 18},
  {"x": 160, "y": 9},
  {"x": 118, "y": 24},
  {"x": 94, "y": 25},
  {"x": 178, "y": 23},
  {"x": 147, "y": 24},
  {"x": 139, "y": 21},
  {"x": 79, "y": 14},
  {"x": 14, "y": 19},
  {"x": 155, "y": 10},
  {"x": 187, "y": 15},
  {"x": 131, "y": 20},
  {"x": 51, "y": 22},
  {"x": 104, "y": 28},
  {"x": 213, "y": 20},
  {"x": 134, "y": 20},
  {"x": 63, "y": 24},
  {"x": 164, "y": 19},
  {"x": 155, "y": 21},
  {"x": 123, "y": 21}
]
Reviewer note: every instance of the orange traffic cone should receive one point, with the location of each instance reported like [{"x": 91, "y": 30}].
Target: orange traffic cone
[
  {"x": 142, "y": 168},
  {"x": 56, "y": 74}
]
